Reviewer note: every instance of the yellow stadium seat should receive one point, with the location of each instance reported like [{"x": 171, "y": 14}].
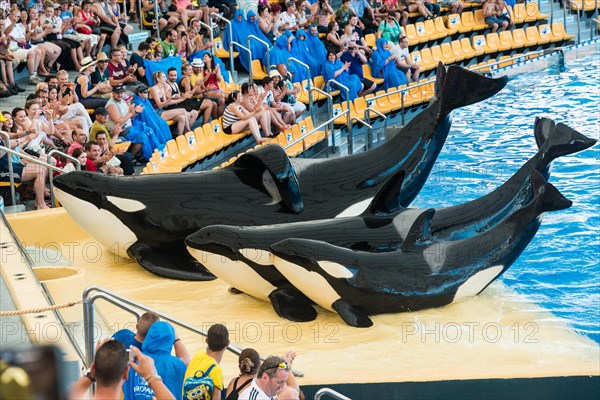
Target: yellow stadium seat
[
  {"x": 558, "y": 29},
  {"x": 532, "y": 12},
  {"x": 172, "y": 156},
  {"x": 479, "y": 45},
  {"x": 467, "y": 20},
  {"x": 453, "y": 23},
  {"x": 258, "y": 73},
  {"x": 307, "y": 126},
  {"x": 360, "y": 106},
  {"x": 519, "y": 13},
  {"x": 196, "y": 142},
  {"x": 505, "y": 41},
  {"x": 294, "y": 134},
  {"x": 302, "y": 95},
  {"x": 185, "y": 149},
  {"x": 432, "y": 33},
  {"x": 220, "y": 49},
  {"x": 411, "y": 33},
  {"x": 428, "y": 91},
  {"x": 166, "y": 164},
  {"x": 440, "y": 28},
  {"x": 370, "y": 40},
  {"x": 479, "y": 20},
  {"x": 366, "y": 68},
  {"x": 519, "y": 40},
  {"x": 492, "y": 43},
  {"x": 319, "y": 83},
  {"x": 545, "y": 35},
  {"x": 212, "y": 141},
  {"x": 122, "y": 145},
  {"x": 532, "y": 36},
  {"x": 465, "y": 44},
  {"x": 395, "y": 99},
  {"x": 422, "y": 32},
  {"x": 507, "y": 63},
  {"x": 383, "y": 106},
  {"x": 414, "y": 96},
  {"x": 457, "y": 51},
  {"x": 436, "y": 53},
  {"x": 427, "y": 61},
  {"x": 448, "y": 54}
]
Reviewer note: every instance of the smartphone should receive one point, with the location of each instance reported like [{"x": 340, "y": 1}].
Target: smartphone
[
  {"x": 41, "y": 364},
  {"x": 131, "y": 355},
  {"x": 67, "y": 91}
]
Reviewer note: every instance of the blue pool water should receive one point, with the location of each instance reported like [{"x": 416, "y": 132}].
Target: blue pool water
[{"x": 560, "y": 269}]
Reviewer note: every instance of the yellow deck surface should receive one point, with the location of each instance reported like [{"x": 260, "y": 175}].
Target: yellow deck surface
[{"x": 498, "y": 334}]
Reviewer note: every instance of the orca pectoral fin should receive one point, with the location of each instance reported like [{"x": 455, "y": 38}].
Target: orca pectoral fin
[
  {"x": 290, "y": 303},
  {"x": 352, "y": 315},
  {"x": 165, "y": 262},
  {"x": 274, "y": 159}
]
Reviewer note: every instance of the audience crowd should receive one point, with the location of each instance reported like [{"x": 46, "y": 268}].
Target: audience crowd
[
  {"x": 141, "y": 365},
  {"x": 117, "y": 106}
]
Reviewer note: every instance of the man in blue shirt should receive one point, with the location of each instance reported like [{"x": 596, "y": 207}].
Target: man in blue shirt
[{"x": 356, "y": 60}]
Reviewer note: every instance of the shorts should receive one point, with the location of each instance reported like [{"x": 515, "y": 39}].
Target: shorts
[
  {"x": 499, "y": 19},
  {"x": 227, "y": 129},
  {"x": 20, "y": 55},
  {"x": 367, "y": 83},
  {"x": 405, "y": 70},
  {"x": 17, "y": 171}
]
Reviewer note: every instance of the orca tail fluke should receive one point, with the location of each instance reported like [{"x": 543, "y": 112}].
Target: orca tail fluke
[
  {"x": 458, "y": 87},
  {"x": 556, "y": 140},
  {"x": 546, "y": 196}
]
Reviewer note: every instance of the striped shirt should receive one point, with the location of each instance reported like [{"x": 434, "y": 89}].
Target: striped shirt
[
  {"x": 229, "y": 118},
  {"x": 253, "y": 392}
]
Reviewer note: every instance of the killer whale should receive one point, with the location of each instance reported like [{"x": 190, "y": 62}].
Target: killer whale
[
  {"x": 147, "y": 217},
  {"x": 240, "y": 255},
  {"x": 422, "y": 273}
]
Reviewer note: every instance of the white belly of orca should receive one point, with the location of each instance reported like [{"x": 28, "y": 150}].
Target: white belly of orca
[
  {"x": 101, "y": 224},
  {"x": 313, "y": 285},
  {"x": 236, "y": 273},
  {"x": 477, "y": 282}
]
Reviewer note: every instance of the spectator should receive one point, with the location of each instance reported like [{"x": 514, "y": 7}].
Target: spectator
[
  {"x": 69, "y": 23},
  {"x": 143, "y": 324},
  {"x": 280, "y": 54},
  {"x": 81, "y": 156},
  {"x": 69, "y": 98},
  {"x": 288, "y": 19},
  {"x": 111, "y": 368},
  {"x": 122, "y": 19},
  {"x": 455, "y": 6},
  {"x": 167, "y": 107},
  {"x": 83, "y": 86},
  {"x": 342, "y": 16},
  {"x": 251, "y": 101},
  {"x": 237, "y": 119},
  {"x": 289, "y": 91},
  {"x": 301, "y": 51},
  {"x": 26, "y": 172},
  {"x": 417, "y": 6},
  {"x": 265, "y": 22},
  {"x": 89, "y": 24},
  {"x": 271, "y": 378},
  {"x": 248, "y": 363},
  {"x": 356, "y": 60},
  {"x": 432, "y": 7},
  {"x": 358, "y": 37},
  {"x": 497, "y": 15},
  {"x": 217, "y": 341},
  {"x": 211, "y": 76},
  {"x": 410, "y": 68},
  {"x": 137, "y": 58},
  {"x": 20, "y": 49},
  {"x": 169, "y": 47},
  {"x": 333, "y": 41},
  {"x": 269, "y": 99},
  {"x": 109, "y": 24},
  {"x": 315, "y": 43},
  {"x": 363, "y": 10},
  {"x": 164, "y": 20},
  {"x": 383, "y": 65},
  {"x": 335, "y": 69},
  {"x": 197, "y": 101},
  {"x": 390, "y": 29},
  {"x": 117, "y": 72},
  {"x": 150, "y": 118},
  {"x": 51, "y": 50},
  {"x": 301, "y": 14},
  {"x": 322, "y": 12},
  {"x": 53, "y": 21},
  {"x": 101, "y": 76},
  {"x": 79, "y": 139},
  {"x": 112, "y": 157}
]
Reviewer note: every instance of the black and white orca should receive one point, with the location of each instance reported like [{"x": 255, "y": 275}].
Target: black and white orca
[
  {"x": 240, "y": 255},
  {"x": 147, "y": 217},
  {"x": 422, "y": 273}
]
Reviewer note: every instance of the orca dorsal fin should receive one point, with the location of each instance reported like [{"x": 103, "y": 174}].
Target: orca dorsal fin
[
  {"x": 273, "y": 159},
  {"x": 419, "y": 232},
  {"x": 387, "y": 199}
]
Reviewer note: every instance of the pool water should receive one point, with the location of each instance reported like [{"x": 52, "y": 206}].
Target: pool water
[{"x": 489, "y": 141}]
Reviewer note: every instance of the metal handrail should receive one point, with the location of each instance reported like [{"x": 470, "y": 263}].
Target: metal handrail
[
  {"x": 51, "y": 177},
  {"x": 592, "y": 25},
  {"x": 570, "y": 2},
  {"x": 246, "y": 49},
  {"x": 212, "y": 37},
  {"x": 127, "y": 304},
  {"x": 547, "y": 51},
  {"x": 369, "y": 133},
  {"x": 336, "y": 395},
  {"x": 264, "y": 43},
  {"x": 315, "y": 129},
  {"x": 348, "y": 106},
  {"x": 13, "y": 194},
  {"x": 230, "y": 28},
  {"x": 310, "y": 85},
  {"x": 367, "y": 116}
]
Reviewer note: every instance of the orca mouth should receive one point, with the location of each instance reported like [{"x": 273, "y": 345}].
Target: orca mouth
[{"x": 215, "y": 248}]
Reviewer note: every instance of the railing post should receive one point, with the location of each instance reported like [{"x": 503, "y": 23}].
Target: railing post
[
  {"x": 310, "y": 99},
  {"x": 51, "y": 175},
  {"x": 265, "y": 44},
  {"x": 348, "y": 118},
  {"x": 592, "y": 25},
  {"x": 212, "y": 37},
  {"x": 13, "y": 194},
  {"x": 140, "y": 11},
  {"x": 156, "y": 14},
  {"x": 230, "y": 28},
  {"x": 88, "y": 329},
  {"x": 369, "y": 133},
  {"x": 402, "y": 104},
  {"x": 231, "y": 44}
]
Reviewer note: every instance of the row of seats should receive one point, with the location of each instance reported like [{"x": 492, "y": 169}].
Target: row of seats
[
  {"x": 585, "y": 5},
  {"x": 209, "y": 139},
  {"x": 466, "y": 49}
]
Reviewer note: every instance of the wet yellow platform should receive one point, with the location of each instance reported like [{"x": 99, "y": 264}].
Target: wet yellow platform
[{"x": 498, "y": 334}]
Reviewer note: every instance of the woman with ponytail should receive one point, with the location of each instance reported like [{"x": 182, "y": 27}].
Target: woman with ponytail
[{"x": 249, "y": 361}]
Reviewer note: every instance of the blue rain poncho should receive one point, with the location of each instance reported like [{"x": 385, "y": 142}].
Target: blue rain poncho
[
  {"x": 352, "y": 82},
  {"x": 301, "y": 51},
  {"x": 150, "y": 118},
  {"x": 316, "y": 46},
  {"x": 241, "y": 29},
  {"x": 279, "y": 54},
  {"x": 392, "y": 76}
]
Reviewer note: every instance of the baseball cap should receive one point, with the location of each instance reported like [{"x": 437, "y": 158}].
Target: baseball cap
[{"x": 118, "y": 89}]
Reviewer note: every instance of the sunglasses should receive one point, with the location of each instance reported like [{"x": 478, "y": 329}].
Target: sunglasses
[
  {"x": 281, "y": 365},
  {"x": 144, "y": 92}
]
